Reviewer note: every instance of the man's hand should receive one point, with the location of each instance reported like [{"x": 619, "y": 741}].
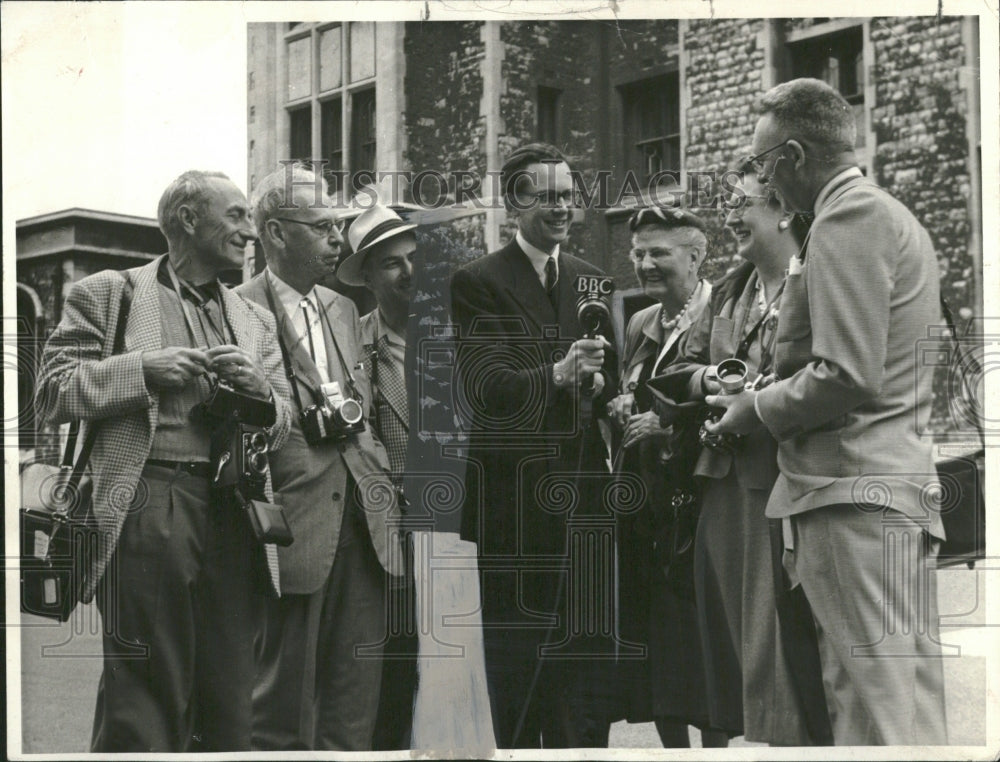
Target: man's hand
[
  {"x": 740, "y": 416},
  {"x": 584, "y": 358},
  {"x": 620, "y": 409},
  {"x": 598, "y": 384},
  {"x": 643, "y": 426},
  {"x": 173, "y": 367},
  {"x": 710, "y": 381},
  {"x": 244, "y": 372}
]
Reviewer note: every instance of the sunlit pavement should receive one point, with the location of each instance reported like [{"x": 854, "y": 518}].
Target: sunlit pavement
[{"x": 61, "y": 665}]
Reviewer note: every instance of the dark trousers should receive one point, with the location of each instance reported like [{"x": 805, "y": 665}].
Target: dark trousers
[
  {"x": 562, "y": 711},
  {"x": 394, "y": 721},
  {"x": 559, "y": 700},
  {"x": 179, "y": 614},
  {"x": 320, "y": 655}
]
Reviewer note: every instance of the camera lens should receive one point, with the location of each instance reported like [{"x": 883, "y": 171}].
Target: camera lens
[
  {"x": 258, "y": 442},
  {"x": 350, "y": 412},
  {"x": 732, "y": 374},
  {"x": 258, "y": 462}
]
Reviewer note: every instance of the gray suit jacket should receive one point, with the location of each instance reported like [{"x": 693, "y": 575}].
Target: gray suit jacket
[
  {"x": 854, "y": 395},
  {"x": 310, "y": 481},
  {"x": 80, "y": 380}
]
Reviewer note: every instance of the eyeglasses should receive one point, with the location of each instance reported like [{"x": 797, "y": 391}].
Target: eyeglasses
[
  {"x": 322, "y": 228},
  {"x": 755, "y": 161},
  {"x": 737, "y": 204},
  {"x": 553, "y": 198}
]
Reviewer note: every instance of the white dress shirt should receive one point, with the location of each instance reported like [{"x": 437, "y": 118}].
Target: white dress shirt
[
  {"x": 537, "y": 257},
  {"x": 293, "y": 301}
]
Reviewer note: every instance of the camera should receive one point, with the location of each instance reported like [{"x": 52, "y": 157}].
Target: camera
[
  {"x": 333, "y": 421},
  {"x": 239, "y": 452},
  {"x": 241, "y": 460},
  {"x": 732, "y": 375},
  {"x": 225, "y": 403}
]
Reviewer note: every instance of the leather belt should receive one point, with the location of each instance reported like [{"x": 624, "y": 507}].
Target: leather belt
[{"x": 200, "y": 468}]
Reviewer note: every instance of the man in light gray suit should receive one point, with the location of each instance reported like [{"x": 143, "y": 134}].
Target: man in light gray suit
[
  {"x": 861, "y": 532},
  {"x": 320, "y": 645}
]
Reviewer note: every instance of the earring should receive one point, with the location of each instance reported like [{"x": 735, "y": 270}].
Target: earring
[{"x": 783, "y": 223}]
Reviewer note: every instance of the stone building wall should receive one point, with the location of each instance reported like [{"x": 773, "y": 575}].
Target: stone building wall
[
  {"x": 724, "y": 64},
  {"x": 445, "y": 131}
]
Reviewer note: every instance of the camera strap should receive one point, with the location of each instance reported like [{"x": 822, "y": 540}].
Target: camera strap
[
  {"x": 744, "y": 347},
  {"x": 220, "y": 333},
  {"x": 285, "y": 359},
  {"x": 117, "y": 347}
]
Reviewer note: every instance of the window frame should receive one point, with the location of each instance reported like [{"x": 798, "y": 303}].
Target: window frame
[
  {"x": 633, "y": 137},
  {"x": 346, "y": 91}
]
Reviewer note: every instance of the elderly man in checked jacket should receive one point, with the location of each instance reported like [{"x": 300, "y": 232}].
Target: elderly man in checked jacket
[{"x": 176, "y": 568}]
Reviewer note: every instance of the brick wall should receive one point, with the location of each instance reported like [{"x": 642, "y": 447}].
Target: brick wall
[
  {"x": 921, "y": 152},
  {"x": 565, "y": 55},
  {"x": 919, "y": 120},
  {"x": 445, "y": 132},
  {"x": 723, "y": 81}
]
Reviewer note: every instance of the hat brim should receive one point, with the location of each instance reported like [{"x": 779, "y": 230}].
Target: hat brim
[{"x": 350, "y": 272}]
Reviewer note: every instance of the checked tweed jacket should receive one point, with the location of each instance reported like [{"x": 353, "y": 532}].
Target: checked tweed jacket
[
  {"x": 80, "y": 380},
  {"x": 388, "y": 394}
]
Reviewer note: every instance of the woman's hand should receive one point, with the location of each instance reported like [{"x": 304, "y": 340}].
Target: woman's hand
[
  {"x": 643, "y": 426},
  {"x": 620, "y": 409}
]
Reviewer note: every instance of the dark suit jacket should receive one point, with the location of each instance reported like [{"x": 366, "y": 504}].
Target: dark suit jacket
[
  {"x": 310, "y": 481},
  {"x": 533, "y": 464}
]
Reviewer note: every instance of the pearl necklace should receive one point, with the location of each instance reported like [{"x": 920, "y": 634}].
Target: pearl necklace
[{"x": 669, "y": 325}]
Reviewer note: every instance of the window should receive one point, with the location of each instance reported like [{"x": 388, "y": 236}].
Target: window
[
  {"x": 330, "y": 73},
  {"x": 299, "y": 69},
  {"x": 300, "y": 133},
  {"x": 363, "y": 131},
  {"x": 838, "y": 60},
  {"x": 548, "y": 114},
  {"x": 332, "y": 121},
  {"x": 651, "y": 111}
]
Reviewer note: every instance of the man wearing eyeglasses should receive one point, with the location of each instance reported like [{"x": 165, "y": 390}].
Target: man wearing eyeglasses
[
  {"x": 319, "y": 671},
  {"x": 847, "y": 412},
  {"x": 525, "y": 375}
]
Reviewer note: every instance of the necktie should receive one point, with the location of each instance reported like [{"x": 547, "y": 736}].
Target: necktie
[
  {"x": 551, "y": 278},
  {"x": 309, "y": 329},
  {"x": 314, "y": 337}
]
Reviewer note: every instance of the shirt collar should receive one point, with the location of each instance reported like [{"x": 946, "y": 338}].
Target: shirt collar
[
  {"x": 289, "y": 297},
  {"x": 835, "y": 182},
  {"x": 385, "y": 330},
  {"x": 536, "y": 256}
]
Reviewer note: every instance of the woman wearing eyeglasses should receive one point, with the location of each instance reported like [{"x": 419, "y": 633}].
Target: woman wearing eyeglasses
[
  {"x": 655, "y": 559},
  {"x": 758, "y": 642}
]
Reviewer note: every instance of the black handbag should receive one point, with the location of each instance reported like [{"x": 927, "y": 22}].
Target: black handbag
[
  {"x": 675, "y": 517},
  {"x": 961, "y": 478},
  {"x": 58, "y": 533}
]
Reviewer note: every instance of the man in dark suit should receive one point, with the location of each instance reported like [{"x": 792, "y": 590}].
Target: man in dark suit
[
  {"x": 537, "y": 461},
  {"x": 854, "y": 490},
  {"x": 320, "y": 645}
]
